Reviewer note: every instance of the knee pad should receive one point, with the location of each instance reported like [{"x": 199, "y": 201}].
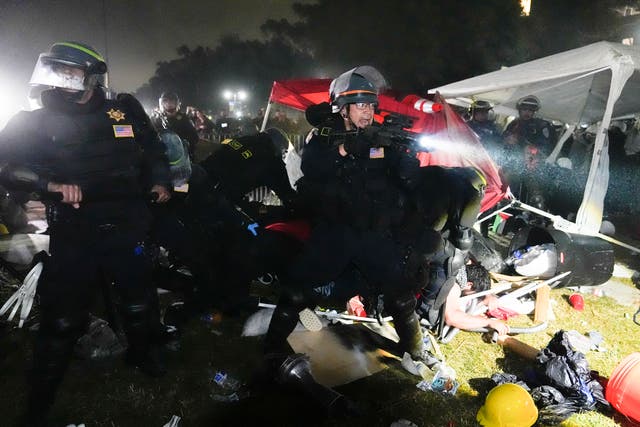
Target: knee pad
[
  {"x": 455, "y": 262},
  {"x": 462, "y": 238}
]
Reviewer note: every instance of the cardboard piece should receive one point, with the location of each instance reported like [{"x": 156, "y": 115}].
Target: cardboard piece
[{"x": 343, "y": 353}]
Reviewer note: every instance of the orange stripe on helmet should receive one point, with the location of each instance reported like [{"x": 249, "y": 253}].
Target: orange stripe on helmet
[{"x": 350, "y": 92}]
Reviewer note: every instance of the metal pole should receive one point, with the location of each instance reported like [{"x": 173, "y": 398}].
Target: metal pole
[{"x": 266, "y": 117}]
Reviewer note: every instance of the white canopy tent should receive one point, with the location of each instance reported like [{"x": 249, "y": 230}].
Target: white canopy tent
[{"x": 583, "y": 86}]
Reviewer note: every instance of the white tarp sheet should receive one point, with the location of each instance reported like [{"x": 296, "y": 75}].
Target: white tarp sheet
[{"x": 591, "y": 84}]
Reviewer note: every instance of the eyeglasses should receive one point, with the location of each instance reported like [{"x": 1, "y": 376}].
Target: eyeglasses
[{"x": 362, "y": 106}]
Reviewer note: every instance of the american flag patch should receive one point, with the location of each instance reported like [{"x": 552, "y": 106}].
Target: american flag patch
[
  {"x": 376, "y": 153},
  {"x": 123, "y": 131}
]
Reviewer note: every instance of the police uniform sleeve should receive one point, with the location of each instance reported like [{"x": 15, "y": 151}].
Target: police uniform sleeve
[
  {"x": 155, "y": 162},
  {"x": 16, "y": 140},
  {"x": 406, "y": 166},
  {"x": 320, "y": 159}
]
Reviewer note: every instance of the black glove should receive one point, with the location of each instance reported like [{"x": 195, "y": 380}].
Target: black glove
[
  {"x": 357, "y": 145},
  {"x": 377, "y": 136}
]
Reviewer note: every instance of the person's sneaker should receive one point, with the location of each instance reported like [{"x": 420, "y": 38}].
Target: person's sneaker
[{"x": 310, "y": 320}]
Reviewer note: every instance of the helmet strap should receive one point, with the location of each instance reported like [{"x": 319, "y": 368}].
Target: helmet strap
[{"x": 345, "y": 115}]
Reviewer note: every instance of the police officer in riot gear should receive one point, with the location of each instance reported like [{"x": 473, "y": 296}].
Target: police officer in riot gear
[
  {"x": 168, "y": 116},
  {"x": 528, "y": 129},
  {"x": 239, "y": 165},
  {"x": 528, "y": 140},
  {"x": 104, "y": 157},
  {"x": 359, "y": 186},
  {"x": 484, "y": 127}
]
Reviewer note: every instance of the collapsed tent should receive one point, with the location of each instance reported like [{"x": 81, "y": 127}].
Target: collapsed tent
[
  {"x": 588, "y": 85},
  {"x": 451, "y": 142}
]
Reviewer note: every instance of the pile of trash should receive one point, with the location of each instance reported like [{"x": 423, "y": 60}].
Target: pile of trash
[
  {"x": 560, "y": 382},
  {"x": 535, "y": 261}
]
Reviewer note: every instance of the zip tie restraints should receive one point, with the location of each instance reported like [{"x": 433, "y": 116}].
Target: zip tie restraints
[{"x": 23, "y": 296}]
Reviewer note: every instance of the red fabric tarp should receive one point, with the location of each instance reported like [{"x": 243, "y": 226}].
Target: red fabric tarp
[{"x": 453, "y": 142}]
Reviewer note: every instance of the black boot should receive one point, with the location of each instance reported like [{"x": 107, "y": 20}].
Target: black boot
[
  {"x": 144, "y": 335},
  {"x": 52, "y": 354}
]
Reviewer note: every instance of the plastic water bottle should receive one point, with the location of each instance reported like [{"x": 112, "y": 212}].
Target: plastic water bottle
[
  {"x": 539, "y": 260},
  {"x": 222, "y": 379},
  {"x": 515, "y": 255}
]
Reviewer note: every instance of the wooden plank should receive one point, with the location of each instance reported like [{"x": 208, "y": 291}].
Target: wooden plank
[{"x": 541, "y": 312}]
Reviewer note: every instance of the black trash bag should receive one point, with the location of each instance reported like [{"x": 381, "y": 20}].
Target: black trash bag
[
  {"x": 99, "y": 343},
  {"x": 566, "y": 370},
  {"x": 504, "y": 378},
  {"x": 553, "y": 407},
  {"x": 546, "y": 395}
]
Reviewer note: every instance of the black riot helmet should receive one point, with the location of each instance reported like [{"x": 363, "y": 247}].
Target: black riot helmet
[
  {"x": 70, "y": 65},
  {"x": 479, "y": 105},
  {"x": 169, "y": 103},
  {"x": 360, "y": 84},
  {"x": 528, "y": 103}
]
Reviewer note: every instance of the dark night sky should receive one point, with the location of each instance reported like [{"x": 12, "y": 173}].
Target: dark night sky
[{"x": 138, "y": 33}]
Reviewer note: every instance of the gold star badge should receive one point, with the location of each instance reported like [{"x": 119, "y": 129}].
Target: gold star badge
[{"x": 116, "y": 115}]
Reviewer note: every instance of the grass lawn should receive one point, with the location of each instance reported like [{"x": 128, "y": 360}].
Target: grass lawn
[{"x": 111, "y": 394}]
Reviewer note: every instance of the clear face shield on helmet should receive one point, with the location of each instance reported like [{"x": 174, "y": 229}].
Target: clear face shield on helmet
[
  {"x": 168, "y": 107},
  {"x": 50, "y": 72},
  {"x": 361, "y": 84}
]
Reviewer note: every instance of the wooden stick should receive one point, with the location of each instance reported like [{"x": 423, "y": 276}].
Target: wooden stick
[{"x": 518, "y": 347}]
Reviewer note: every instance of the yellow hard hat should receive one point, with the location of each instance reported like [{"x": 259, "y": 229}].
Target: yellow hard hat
[{"x": 508, "y": 405}]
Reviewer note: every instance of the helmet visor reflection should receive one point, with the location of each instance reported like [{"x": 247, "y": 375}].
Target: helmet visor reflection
[{"x": 61, "y": 74}]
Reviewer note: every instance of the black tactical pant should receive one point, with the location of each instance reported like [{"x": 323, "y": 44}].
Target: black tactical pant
[
  {"x": 82, "y": 257},
  {"x": 331, "y": 252}
]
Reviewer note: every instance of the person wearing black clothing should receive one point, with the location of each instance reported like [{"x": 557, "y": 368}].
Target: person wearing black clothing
[
  {"x": 236, "y": 254},
  {"x": 240, "y": 165},
  {"x": 168, "y": 116},
  {"x": 528, "y": 141},
  {"x": 527, "y": 129},
  {"x": 105, "y": 158},
  {"x": 486, "y": 129},
  {"x": 358, "y": 183}
]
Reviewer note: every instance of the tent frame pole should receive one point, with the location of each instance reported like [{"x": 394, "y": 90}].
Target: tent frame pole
[{"x": 266, "y": 116}]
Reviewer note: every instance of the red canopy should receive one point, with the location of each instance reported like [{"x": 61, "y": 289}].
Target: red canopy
[
  {"x": 451, "y": 141},
  {"x": 300, "y": 94}
]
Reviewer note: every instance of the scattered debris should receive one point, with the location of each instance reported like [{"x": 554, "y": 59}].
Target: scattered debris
[
  {"x": 402, "y": 423},
  {"x": 441, "y": 378},
  {"x": 576, "y": 301},
  {"x": 100, "y": 342},
  {"x": 563, "y": 383},
  {"x": 584, "y": 344},
  {"x": 173, "y": 422}
]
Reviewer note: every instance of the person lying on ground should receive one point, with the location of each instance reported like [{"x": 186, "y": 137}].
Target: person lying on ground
[{"x": 454, "y": 310}]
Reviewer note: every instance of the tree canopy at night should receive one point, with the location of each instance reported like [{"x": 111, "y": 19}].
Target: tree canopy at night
[
  {"x": 416, "y": 44},
  {"x": 200, "y": 74}
]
